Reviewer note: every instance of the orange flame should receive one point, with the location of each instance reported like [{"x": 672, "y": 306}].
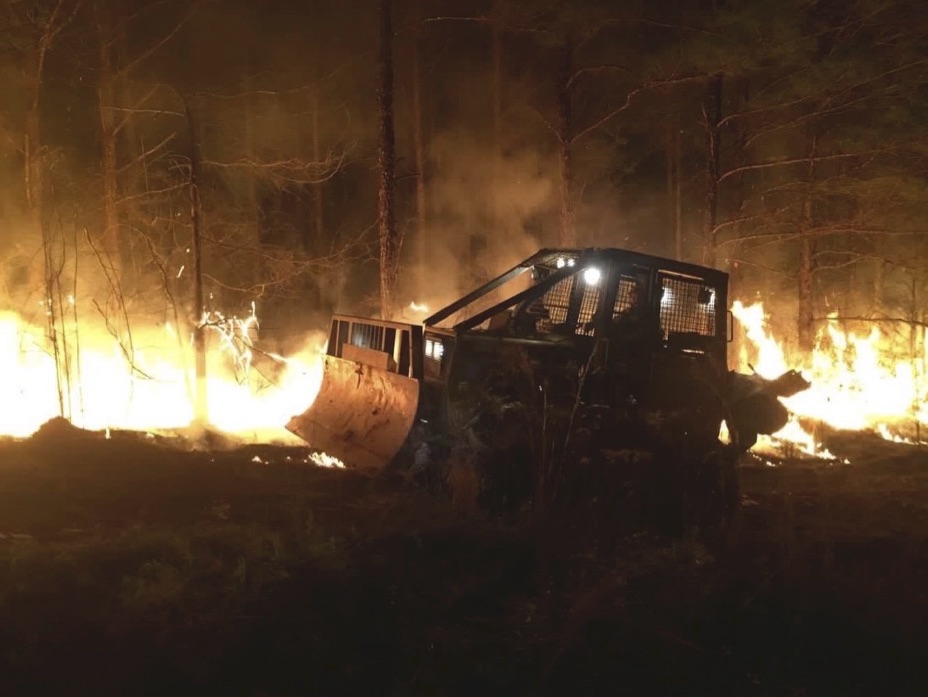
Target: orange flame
[
  {"x": 145, "y": 384},
  {"x": 855, "y": 384}
]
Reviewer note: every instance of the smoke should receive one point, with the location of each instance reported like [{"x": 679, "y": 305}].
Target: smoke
[{"x": 487, "y": 211}]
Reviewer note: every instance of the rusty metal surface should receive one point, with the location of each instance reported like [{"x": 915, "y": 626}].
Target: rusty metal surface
[{"x": 362, "y": 415}]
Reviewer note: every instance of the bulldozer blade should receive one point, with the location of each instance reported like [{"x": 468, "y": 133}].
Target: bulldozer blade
[{"x": 362, "y": 415}]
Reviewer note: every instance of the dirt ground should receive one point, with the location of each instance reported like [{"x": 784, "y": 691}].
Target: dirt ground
[{"x": 131, "y": 567}]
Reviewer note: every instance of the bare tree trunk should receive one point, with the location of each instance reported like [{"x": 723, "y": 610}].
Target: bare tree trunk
[
  {"x": 252, "y": 203},
  {"x": 495, "y": 234},
  {"x": 806, "y": 273},
  {"x": 879, "y": 281},
  {"x": 129, "y": 139},
  {"x": 418, "y": 143},
  {"x": 108, "y": 38},
  {"x": 34, "y": 185},
  {"x": 106, "y": 92},
  {"x": 125, "y": 94},
  {"x": 739, "y": 140},
  {"x": 318, "y": 192},
  {"x": 497, "y": 48},
  {"x": 389, "y": 236},
  {"x": 200, "y": 403},
  {"x": 568, "y": 233},
  {"x": 713, "y": 115},
  {"x": 33, "y": 67},
  {"x": 678, "y": 195},
  {"x": 32, "y": 144},
  {"x": 668, "y": 180},
  {"x": 807, "y": 260},
  {"x": 259, "y": 230},
  {"x": 674, "y": 191},
  {"x": 916, "y": 333}
]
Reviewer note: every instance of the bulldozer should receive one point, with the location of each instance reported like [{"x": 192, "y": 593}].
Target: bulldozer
[{"x": 569, "y": 354}]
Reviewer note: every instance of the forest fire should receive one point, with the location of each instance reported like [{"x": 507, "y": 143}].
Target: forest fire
[
  {"x": 147, "y": 385},
  {"x": 855, "y": 385},
  {"x": 101, "y": 382}
]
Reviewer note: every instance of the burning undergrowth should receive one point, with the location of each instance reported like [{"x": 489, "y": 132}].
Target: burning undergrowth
[
  {"x": 144, "y": 379},
  {"x": 859, "y": 384}
]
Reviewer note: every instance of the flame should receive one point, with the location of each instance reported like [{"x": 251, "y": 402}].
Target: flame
[
  {"x": 856, "y": 384},
  {"x": 143, "y": 379}
]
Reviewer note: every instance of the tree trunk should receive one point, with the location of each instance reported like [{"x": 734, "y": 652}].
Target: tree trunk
[
  {"x": 318, "y": 188},
  {"x": 200, "y": 402},
  {"x": 674, "y": 191},
  {"x": 419, "y": 154},
  {"x": 109, "y": 172},
  {"x": 917, "y": 333},
  {"x": 807, "y": 260},
  {"x": 678, "y": 195},
  {"x": 497, "y": 86},
  {"x": 32, "y": 142},
  {"x": 252, "y": 190},
  {"x": 34, "y": 185},
  {"x": 495, "y": 234},
  {"x": 713, "y": 115},
  {"x": 568, "y": 233},
  {"x": 879, "y": 281},
  {"x": 738, "y": 189},
  {"x": 806, "y": 320},
  {"x": 386, "y": 156}
]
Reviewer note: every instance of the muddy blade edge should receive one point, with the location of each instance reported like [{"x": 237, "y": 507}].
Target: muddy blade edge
[{"x": 362, "y": 415}]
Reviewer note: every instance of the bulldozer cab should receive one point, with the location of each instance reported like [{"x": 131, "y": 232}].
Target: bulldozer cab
[
  {"x": 630, "y": 302},
  {"x": 614, "y": 326}
]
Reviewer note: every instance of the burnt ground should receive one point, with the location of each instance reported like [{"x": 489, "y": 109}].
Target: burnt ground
[{"x": 130, "y": 567}]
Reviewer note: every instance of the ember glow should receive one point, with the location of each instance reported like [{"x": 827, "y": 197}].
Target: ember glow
[
  {"x": 144, "y": 379},
  {"x": 855, "y": 384}
]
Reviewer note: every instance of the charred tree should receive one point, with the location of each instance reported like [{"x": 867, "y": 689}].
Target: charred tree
[
  {"x": 674, "y": 163},
  {"x": 390, "y": 241},
  {"x": 806, "y": 319},
  {"x": 109, "y": 168},
  {"x": 494, "y": 241},
  {"x": 739, "y": 191},
  {"x": 565, "y": 126},
  {"x": 807, "y": 257},
  {"x": 418, "y": 144},
  {"x": 42, "y": 31},
  {"x": 879, "y": 284},
  {"x": 317, "y": 188},
  {"x": 200, "y": 405},
  {"x": 712, "y": 113},
  {"x": 252, "y": 191},
  {"x": 123, "y": 156},
  {"x": 497, "y": 89},
  {"x": 33, "y": 171}
]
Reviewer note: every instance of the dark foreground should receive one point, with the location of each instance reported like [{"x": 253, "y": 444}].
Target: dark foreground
[{"x": 127, "y": 568}]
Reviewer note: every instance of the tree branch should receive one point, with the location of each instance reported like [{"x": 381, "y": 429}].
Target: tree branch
[
  {"x": 141, "y": 156},
  {"x": 593, "y": 69},
  {"x": 126, "y": 69},
  {"x": 792, "y": 161},
  {"x": 126, "y": 112},
  {"x": 630, "y": 96}
]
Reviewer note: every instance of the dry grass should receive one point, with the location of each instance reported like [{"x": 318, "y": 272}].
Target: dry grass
[{"x": 209, "y": 573}]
